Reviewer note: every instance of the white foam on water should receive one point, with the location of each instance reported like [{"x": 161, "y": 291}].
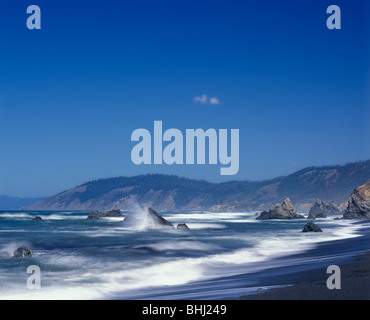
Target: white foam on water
[
  {"x": 180, "y": 245},
  {"x": 94, "y": 279},
  {"x": 116, "y": 278},
  {"x": 18, "y": 215},
  {"x": 7, "y": 249},
  {"x": 61, "y": 217},
  {"x": 53, "y": 216},
  {"x": 205, "y": 225},
  {"x": 204, "y": 216},
  {"x": 112, "y": 219}
]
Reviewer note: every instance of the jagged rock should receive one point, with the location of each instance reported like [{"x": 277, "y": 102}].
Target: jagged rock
[
  {"x": 311, "y": 227},
  {"x": 98, "y": 214},
  {"x": 183, "y": 226},
  {"x": 147, "y": 220},
  {"x": 22, "y": 252},
  {"x": 359, "y": 203},
  {"x": 37, "y": 218},
  {"x": 284, "y": 211},
  {"x": 321, "y": 209},
  {"x": 310, "y": 216},
  {"x": 158, "y": 219}
]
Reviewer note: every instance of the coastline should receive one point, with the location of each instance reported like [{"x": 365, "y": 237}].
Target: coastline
[
  {"x": 268, "y": 269},
  {"x": 310, "y": 284},
  {"x": 282, "y": 277}
]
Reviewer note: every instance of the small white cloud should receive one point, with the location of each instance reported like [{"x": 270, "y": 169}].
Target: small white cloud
[
  {"x": 214, "y": 100},
  {"x": 203, "y": 99}
]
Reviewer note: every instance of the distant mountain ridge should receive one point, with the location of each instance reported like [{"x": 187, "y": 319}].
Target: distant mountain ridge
[{"x": 333, "y": 184}]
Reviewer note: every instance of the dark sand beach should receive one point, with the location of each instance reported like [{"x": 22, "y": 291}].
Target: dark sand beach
[
  {"x": 355, "y": 284},
  {"x": 353, "y": 258}
]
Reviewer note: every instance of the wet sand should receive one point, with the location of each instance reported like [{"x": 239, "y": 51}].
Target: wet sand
[{"x": 311, "y": 285}]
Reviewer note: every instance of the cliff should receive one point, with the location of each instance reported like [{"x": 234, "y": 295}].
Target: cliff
[{"x": 359, "y": 203}]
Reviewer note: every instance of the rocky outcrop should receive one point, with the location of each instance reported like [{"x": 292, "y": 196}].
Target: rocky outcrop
[
  {"x": 311, "y": 227},
  {"x": 321, "y": 209},
  {"x": 37, "y": 218},
  {"x": 100, "y": 214},
  {"x": 147, "y": 220},
  {"x": 359, "y": 203},
  {"x": 284, "y": 211},
  {"x": 23, "y": 252},
  {"x": 182, "y": 226},
  {"x": 158, "y": 218}
]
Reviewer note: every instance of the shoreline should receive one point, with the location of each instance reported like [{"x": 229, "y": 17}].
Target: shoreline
[
  {"x": 284, "y": 273},
  {"x": 351, "y": 255}
]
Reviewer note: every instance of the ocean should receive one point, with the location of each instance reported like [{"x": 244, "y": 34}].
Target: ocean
[{"x": 219, "y": 258}]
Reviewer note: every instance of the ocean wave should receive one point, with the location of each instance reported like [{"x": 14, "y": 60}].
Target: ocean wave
[
  {"x": 16, "y": 215},
  {"x": 186, "y": 270},
  {"x": 197, "y": 226},
  {"x": 245, "y": 260},
  {"x": 180, "y": 245},
  {"x": 84, "y": 274},
  {"x": 212, "y": 216},
  {"x": 61, "y": 217},
  {"x": 29, "y": 216},
  {"x": 99, "y": 279}
]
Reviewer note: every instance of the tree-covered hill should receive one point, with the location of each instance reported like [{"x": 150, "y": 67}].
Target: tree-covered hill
[{"x": 169, "y": 192}]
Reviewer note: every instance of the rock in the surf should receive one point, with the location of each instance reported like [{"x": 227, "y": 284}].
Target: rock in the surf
[
  {"x": 183, "y": 226},
  {"x": 284, "y": 211},
  {"x": 99, "y": 214},
  {"x": 23, "y": 252},
  {"x": 150, "y": 219},
  {"x": 311, "y": 227}
]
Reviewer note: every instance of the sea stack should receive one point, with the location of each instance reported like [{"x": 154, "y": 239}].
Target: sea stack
[
  {"x": 321, "y": 209},
  {"x": 159, "y": 220},
  {"x": 284, "y": 211},
  {"x": 147, "y": 220},
  {"x": 359, "y": 203}
]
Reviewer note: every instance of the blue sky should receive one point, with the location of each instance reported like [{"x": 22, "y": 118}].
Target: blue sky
[{"x": 72, "y": 93}]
